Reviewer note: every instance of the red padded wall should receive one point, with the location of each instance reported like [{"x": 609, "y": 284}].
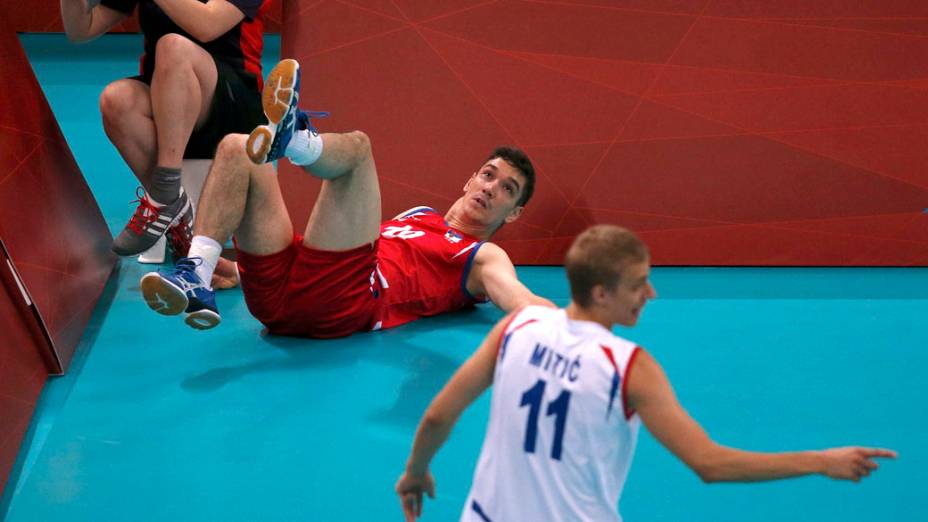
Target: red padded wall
[
  {"x": 54, "y": 248},
  {"x": 44, "y": 16},
  {"x": 725, "y": 132},
  {"x": 22, "y": 371},
  {"x": 49, "y": 221}
]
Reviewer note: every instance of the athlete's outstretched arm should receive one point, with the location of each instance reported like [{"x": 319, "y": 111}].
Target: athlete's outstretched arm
[
  {"x": 203, "y": 21},
  {"x": 471, "y": 379},
  {"x": 650, "y": 394},
  {"x": 494, "y": 276}
]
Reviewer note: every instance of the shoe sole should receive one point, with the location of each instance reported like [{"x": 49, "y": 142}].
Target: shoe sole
[
  {"x": 202, "y": 319},
  {"x": 259, "y": 144},
  {"x": 161, "y": 296},
  {"x": 276, "y": 98}
]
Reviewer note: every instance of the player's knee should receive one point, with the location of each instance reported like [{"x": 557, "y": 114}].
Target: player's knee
[
  {"x": 172, "y": 49},
  {"x": 117, "y": 101},
  {"x": 231, "y": 149},
  {"x": 361, "y": 144}
]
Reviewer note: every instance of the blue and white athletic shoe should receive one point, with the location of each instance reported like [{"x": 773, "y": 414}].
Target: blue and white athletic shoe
[
  {"x": 279, "y": 98},
  {"x": 182, "y": 291}
]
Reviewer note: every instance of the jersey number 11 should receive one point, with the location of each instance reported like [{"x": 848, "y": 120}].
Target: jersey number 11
[{"x": 558, "y": 407}]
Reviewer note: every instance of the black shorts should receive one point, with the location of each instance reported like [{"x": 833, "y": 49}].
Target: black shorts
[{"x": 236, "y": 108}]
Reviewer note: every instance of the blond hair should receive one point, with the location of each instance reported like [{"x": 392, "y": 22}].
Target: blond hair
[{"x": 597, "y": 257}]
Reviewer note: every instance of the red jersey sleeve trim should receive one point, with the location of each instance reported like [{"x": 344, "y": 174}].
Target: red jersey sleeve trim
[
  {"x": 504, "y": 336},
  {"x": 628, "y": 371}
]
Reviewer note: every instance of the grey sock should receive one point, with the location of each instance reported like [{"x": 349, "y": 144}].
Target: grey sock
[{"x": 165, "y": 185}]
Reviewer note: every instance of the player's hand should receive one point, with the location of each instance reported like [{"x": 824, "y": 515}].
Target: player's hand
[
  {"x": 853, "y": 463},
  {"x": 410, "y": 488},
  {"x": 225, "y": 275}
]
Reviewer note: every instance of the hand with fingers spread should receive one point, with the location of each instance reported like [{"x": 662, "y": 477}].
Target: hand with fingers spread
[
  {"x": 410, "y": 488},
  {"x": 852, "y": 463}
]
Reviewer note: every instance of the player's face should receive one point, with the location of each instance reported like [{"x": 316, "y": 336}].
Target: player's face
[
  {"x": 492, "y": 192},
  {"x": 632, "y": 293}
]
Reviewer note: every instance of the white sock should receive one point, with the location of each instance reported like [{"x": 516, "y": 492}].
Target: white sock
[
  {"x": 304, "y": 148},
  {"x": 209, "y": 250}
]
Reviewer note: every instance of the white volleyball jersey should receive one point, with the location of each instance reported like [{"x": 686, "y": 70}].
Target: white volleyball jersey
[{"x": 560, "y": 438}]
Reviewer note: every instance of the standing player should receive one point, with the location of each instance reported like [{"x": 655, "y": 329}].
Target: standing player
[
  {"x": 569, "y": 397},
  {"x": 347, "y": 272}
]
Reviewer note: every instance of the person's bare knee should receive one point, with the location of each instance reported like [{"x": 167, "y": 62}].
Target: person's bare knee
[
  {"x": 173, "y": 50},
  {"x": 342, "y": 154},
  {"x": 121, "y": 102},
  {"x": 231, "y": 151},
  {"x": 244, "y": 199},
  {"x": 225, "y": 190},
  {"x": 114, "y": 101},
  {"x": 360, "y": 146},
  {"x": 231, "y": 169},
  {"x": 347, "y": 211},
  {"x": 180, "y": 66}
]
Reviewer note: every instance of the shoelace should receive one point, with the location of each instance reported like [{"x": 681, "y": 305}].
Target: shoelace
[
  {"x": 185, "y": 271},
  {"x": 145, "y": 213},
  {"x": 179, "y": 235},
  {"x": 303, "y": 121}
]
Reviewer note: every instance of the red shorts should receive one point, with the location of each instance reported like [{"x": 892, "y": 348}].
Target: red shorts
[{"x": 305, "y": 292}]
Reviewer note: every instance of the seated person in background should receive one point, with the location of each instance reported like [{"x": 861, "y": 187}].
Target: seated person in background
[
  {"x": 200, "y": 80},
  {"x": 347, "y": 272},
  {"x": 569, "y": 397}
]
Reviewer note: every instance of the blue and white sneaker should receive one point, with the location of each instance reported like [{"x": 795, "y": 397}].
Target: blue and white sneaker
[
  {"x": 280, "y": 98},
  {"x": 182, "y": 291}
]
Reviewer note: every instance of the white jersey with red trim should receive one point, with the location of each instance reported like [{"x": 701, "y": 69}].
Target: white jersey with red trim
[{"x": 560, "y": 439}]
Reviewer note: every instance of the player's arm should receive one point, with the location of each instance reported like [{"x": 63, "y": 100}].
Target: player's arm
[
  {"x": 494, "y": 276},
  {"x": 650, "y": 393},
  {"x": 203, "y": 21},
  {"x": 85, "y": 20},
  {"x": 471, "y": 379}
]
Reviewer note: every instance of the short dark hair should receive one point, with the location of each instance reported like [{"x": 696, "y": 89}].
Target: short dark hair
[
  {"x": 519, "y": 160},
  {"x": 597, "y": 257}
]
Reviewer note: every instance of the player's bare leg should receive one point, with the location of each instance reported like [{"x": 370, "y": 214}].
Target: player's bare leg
[
  {"x": 129, "y": 124},
  {"x": 182, "y": 90},
  {"x": 346, "y": 214},
  {"x": 238, "y": 198},
  {"x": 150, "y": 127},
  {"x": 243, "y": 199}
]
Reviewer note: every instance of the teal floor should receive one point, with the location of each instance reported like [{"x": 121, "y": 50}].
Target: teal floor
[{"x": 158, "y": 422}]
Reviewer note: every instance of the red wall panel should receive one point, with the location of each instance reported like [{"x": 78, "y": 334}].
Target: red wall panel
[
  {"x": 54, "y": 248},
  {"x": 44, "y": 16},
  {"x": 22, "y": 370},
  {"x": 725, "y": 132},
  {"x": 49, "y": 221}
]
